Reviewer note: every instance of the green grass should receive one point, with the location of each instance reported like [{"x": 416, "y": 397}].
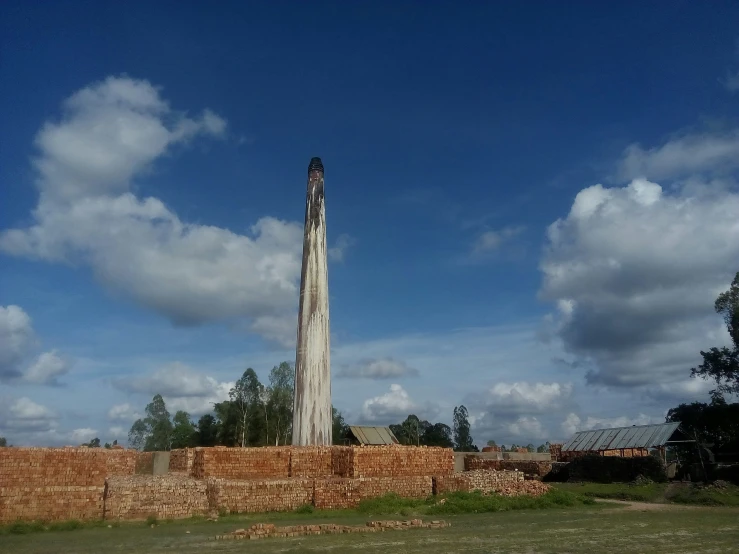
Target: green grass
[
  {"x": 652, "y": 492},
  {"x": 579, "y": 529},
  {"x": 705, "y": 496}
]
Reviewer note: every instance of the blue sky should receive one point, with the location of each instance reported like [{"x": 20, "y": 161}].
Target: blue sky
[{"x": 531, "y": 208}]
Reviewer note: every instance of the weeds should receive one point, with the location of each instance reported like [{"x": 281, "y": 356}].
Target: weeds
[{"x": 305, "y": 509}]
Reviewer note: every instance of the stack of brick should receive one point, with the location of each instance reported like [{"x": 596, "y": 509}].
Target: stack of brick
[
  {"x": 486, "y": 481},
  {"x": 311, "y": 461},
  {"x": 253, "y": 496},
  {"x": 528, "y": 467},
  {"x": 181, "y": 459},
  {"x": 556, "y": 451},
  {"x": 336, "y": 493},
  {"x": 407, "y": 487},
  {"x": 165, "y": 497},
  {"x": 57, "y": 483},
  {"x": 342, "y": 458},
  {"x": 272, "y": 462},
  {"x": 400, "y": 461}
]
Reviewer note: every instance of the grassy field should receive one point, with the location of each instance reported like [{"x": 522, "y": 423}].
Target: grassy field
[
  {"x": 583, "y": 528},
  {"x": 680, "y": 493}
]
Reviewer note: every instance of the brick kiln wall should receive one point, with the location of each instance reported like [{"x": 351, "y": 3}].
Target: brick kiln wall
[
  {"x": 270, "y": 462},
  {"x": 163, "y": 496},
  {"x": 311, "y": 461},
  {"x": 57, "y": 467},
  {"x": 336, "y": 493},
  {"x": 181, "y": 460},
  {"x": 144, "y": 463},
  {"x": 481, "y": 479},
  {"x": 397, "y": 461},
  {"x": 273, "y": 495},
  {"x": 50, "y": 503}
]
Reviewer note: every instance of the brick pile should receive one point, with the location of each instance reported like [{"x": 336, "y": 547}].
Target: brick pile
[
  {"x": 336, "y": 493},
  {"x": 341, "y": 493},
  {"x": 270, "y": 462},
  {"x": 556, "y": 451},
  {"x": 271, "y": 495},
  {"x": 51, "y": 503},
  {"x": 181, "y": 459},
  {"x": 342, "y": 460},
  {"x": 505, "y": 483},
  {"x": 269, "y": 530},
  {"x": 162, "y": 496},
  {"x": 311, "y": 461},
  {"x": 401, "y": 461},
  {"x": 528, "y": 467}
]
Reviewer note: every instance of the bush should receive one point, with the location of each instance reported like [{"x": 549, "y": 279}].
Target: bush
[
  {"x": 70, "y": 525},
  {"x": 613, "y": 469},
  {"x": 305, "y": 509},
  {"x": 151, "y": 520},
  {"x": 727, "y": 473}
]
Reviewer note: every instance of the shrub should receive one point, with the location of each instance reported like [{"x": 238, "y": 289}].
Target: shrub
[
  {"x": 151, "y": 520},
  {"x": 305, "y": 509},
  {"x": 614, "y": 469}
]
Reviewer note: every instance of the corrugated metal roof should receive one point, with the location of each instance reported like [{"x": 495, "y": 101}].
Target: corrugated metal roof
[
  {"x": 638, "y": 436},
  {"x": 373, "y": 435}
]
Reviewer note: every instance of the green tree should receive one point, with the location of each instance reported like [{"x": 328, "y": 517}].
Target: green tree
[
  {"x": 530, "y": 447},
  {"x": 436, "y": 434},
  {"x": 722, "y": 364},
  {"x": 3, "y": 442},
  {"x": 183, "y": 431},
  {"x": 462, "y": 438},
  {"x": 492, "y": 443},
  {"x": 339, "y": 429},
  {"x": 246, "y": 397},
  {"x": 207, "y": 433},
  {"x": 280, "y": 395},
  {"x": 715, "y": 425},
  {"x": 154, "y": 431},
  {"x": 544, "y": 448},
  {"x": 94, "y": 443},
  {"x": 227, "y": 417}
]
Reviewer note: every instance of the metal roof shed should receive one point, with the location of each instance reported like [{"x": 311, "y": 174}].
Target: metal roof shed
[
  {"x": 618, "y": 438},
  {"x": 372, "y": 435}
]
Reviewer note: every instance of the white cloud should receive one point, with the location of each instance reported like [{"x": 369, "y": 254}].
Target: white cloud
[
  {"x": 390, "y": 407},
  {"x": 341, "y": 246},
  {"x": 23, "y": 415},
  {"x": 507, "y": 412},
  {"x": 182, "y": 388},
  {"x": 123, "y": 412},
  {"x": 16, "y": 340},
  {"x": 528, "y": 428},
  {"x": 117, "y": 433},
  {"x": 112, "y": 132},
  {"x": 490, "y": 241},
  {"x": 83, "y": 435},
  {"x": 47, "y": 367},
  {"x": 688, "y": 154},
  {"x": 378, "y": 368},
  {"x": 635, "y": 272}
]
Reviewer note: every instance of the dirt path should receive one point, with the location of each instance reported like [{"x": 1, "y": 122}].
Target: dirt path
[{"x": 630, "y": 505}]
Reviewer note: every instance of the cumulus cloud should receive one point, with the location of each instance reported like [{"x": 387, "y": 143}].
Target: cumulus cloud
[
  {"x": 341, "y": 246},
  {"x": 686, "y": 155},
  {"x": 572, "y": 423},
  {"x": 512, "y": 411},
  {"x": 109, "y": 134},
  {"x": 490, "y": 241},
  {"x": 47, "y": 368},
  {"x": 390, "y": 407},
  {"x": 83, "y": 435},
  {"x": 23, "y": 415},
  {"x": 123, "y": 412},
  {"x": 17, "y": 342},
  {"x": 182, "y": 388},
  {"x": 634, "y": 272},
  {"x": 378, "y": 368}
]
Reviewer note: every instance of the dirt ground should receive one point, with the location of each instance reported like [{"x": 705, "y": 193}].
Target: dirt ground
[{"x": 607, "y": 527}]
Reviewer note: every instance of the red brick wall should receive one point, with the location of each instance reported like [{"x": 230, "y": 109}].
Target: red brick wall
[
  {"x": 165, "y": 496},
  {"x": 273, "y": 495},
  {"x": 271, "y": 462}
]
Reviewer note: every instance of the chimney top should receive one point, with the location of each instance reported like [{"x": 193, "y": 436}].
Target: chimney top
[{"x": 315, "y": 165}]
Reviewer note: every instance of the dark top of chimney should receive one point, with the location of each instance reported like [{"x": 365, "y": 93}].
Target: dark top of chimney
[{"x": 315, "y": 165}]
